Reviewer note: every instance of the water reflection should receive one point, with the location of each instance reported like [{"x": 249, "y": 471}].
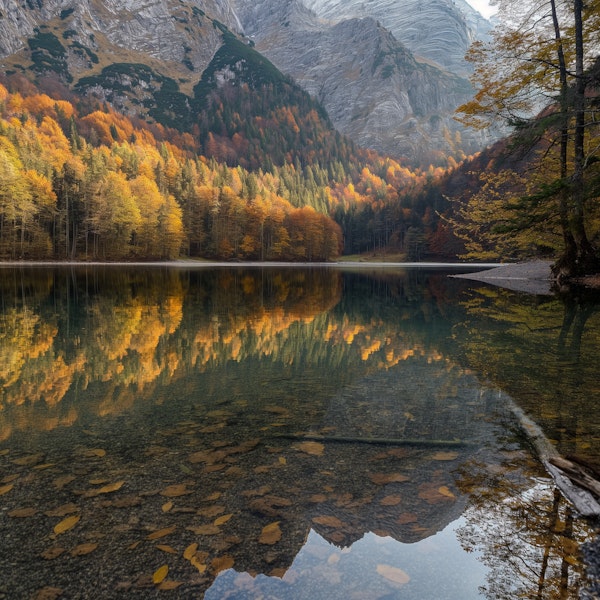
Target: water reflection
[{"x": 239, "y": 433}]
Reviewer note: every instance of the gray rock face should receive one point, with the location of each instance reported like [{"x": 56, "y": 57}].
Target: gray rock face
[
  {"x": 373, "y": 88},
  {"x": 438, "y": 30}
]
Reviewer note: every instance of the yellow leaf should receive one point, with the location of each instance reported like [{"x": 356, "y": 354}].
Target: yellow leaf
[
  {"x": 169, "y": 585},
  {"x": 167, "y": 549},
  {"x": 60, "y": 482},
  {"x": 62, "y": 511},
  {"x": 21, "y": 513},
  {"x": 222, "y": 563},
  {"x": 27, "y": 461},
  {"x": 83, "y": 549},
  {"x": 393, "y": 574},
  {"x": 446, "y": 492},
  {"x": 107, "y": 489},
  {"x": 205, "y": 530},
  {"x": 445, "y": 456},
  {"x": 160, "y": 574},
  {"x": 190, "y": 551},
  {"x": 270, "y": 534},
  {"x": 328, "y": 521},
  {"x": 174, "y": 491},
  {"x": 385, "y": 478},
  {"x": 52, "y": 553},
  {"x": 66, "y": 524},
  {"x": 10, "y": 478},
  {"x": 99, "y": 452},
  {"x": 167, "y": 506},
  {"x": 222, "y": 520},
  {"x": 155, "y": 535},
  {"x": 282, "y": 460},
  {"x": 6, "y": 488},
  {"x": 314, "y": 448},
  {"x": 391, "y": 501},
  {"x": 198, "y": 564}
]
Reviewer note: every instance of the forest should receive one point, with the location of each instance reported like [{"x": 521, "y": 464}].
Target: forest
[{"x": 91, "y": 184}]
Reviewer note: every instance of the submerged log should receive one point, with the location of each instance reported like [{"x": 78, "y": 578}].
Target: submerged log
[
  {"x": 582, "y": 499},
  {"x": 379, "y": 441}
]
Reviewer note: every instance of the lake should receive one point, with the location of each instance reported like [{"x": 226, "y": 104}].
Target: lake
[{"x": 289, "y": 432}]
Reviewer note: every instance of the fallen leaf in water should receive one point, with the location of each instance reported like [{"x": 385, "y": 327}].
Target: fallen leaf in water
[
  {"x": 27, "y": 461},
  {"x": 10, "y": 478},
  {"x": 391, "y": 501},
  {"x": 134, "y": 545},
  {"x": 6, "y": 488},
  {"x": 83, "y": 549},
  {"x": 385, "y": 478},
  {"x": 47, "y": 593},
  {"x": 445, "y": 456},
  {"x": 4, "y": 452},
  {"x": 169, "y": 585},
  {"x": 155, "y": 535},
  {"x": 44, "y": 466},
  {"x": 98, "y": 452},
  {"x": 211, "y": 511},
  {"x": 222, "y": 520},
  {"x": 406, "y": 518},
  {"x": 190, "y": 551},
  {"x": 22, "y": 513},
  {"x": 313, "y": 448},
  {"x": 270, "y": 534},
  {"x": 205, "y": 530},
  {"x": 393, "y": 574},
  {"x": 282, "y": 460},
  {"x": 167, "y": 507},
  {"x": 107, "y": 489},
  {"x": 198, "y": 564},
  {"x": 60, "y": 482},
  {"x": 167, "y": 549},
  {"x": 328, "y": 521},
  {"x": 175, "y": 491},
  {"x": 62, "y": 511},
  {"x": 445, "y": 491},
  {"x": 221, "y": 563},
  {"x": 160, "y": 574},
  {"x": 52, "y": 553},
  {"x": 66, "y": 524}
]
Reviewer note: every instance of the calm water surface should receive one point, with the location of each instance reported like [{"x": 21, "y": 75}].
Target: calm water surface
[{"x": 288, "y": 433}]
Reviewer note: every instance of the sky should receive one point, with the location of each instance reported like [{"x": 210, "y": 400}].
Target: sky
[{"x": 483, "y": 7}]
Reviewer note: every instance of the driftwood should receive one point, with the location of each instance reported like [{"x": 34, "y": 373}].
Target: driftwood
[
  {"x": 378, "y": 441},
  {"x": 571, "y": 485}
]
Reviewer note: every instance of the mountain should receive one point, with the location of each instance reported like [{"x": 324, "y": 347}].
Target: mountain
[
  {"x": 373, "y": 87},
  {"x": 147, "y": 58}
]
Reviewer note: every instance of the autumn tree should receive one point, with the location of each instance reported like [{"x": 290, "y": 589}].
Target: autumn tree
[{"x": 534, "y": 76}]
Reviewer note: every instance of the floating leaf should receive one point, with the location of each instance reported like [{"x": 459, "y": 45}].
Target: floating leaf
[
  {"x": 221, "y": 563},
  {"x": 211, "y": 511},
  {"x": 405, "y": 518},
  {"x": 197, "y": 563},
  {"x": 270, "y": 534},
  {"x": 167, "y": 507},
  {"x": 432, "y": 494},
  {"x": 445, "y": 456},
  {"x": 190, "y": 551},
  {"x": 83, "y": 549},
  {"x": 155, "y": 535},
  {"x": 52, "y": 553},
  {"x": 282, "y": 460},
  {"x": 314, "y": 448},
  {"x": 222, "y": 520},
  {"x": 175, "y": 491},
  {"x": 21, "y": 513},
  {"x": 329, "y": 521},
  {"x": 4, "y": 452},
  {"x": 160, "y": 574},
  {"x": 6, "y": 488},
  {"x": 62, "y": 511},
  {"x": 10, "y": 478},
  {"x": 134, "y": 545},
  {"x": 167, "y": 549},
  {"x": 66, "y": 524},
  {"x": 393, "y": 574}
]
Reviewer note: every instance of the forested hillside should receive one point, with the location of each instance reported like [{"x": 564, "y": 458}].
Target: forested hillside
[{"x": 89, "y": 184}]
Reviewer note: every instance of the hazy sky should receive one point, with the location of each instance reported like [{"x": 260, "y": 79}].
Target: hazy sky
[{"x": 483, "y": 7}]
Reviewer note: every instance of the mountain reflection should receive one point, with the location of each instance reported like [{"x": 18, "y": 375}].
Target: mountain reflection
[{"x": 162, "y": 427}]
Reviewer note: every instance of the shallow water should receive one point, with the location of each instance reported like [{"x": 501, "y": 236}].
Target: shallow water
[{"x": 287, "y": 433}]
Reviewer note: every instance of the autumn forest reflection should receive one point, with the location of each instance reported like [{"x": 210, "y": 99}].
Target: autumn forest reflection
[{"x": 286, "y": 432}]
